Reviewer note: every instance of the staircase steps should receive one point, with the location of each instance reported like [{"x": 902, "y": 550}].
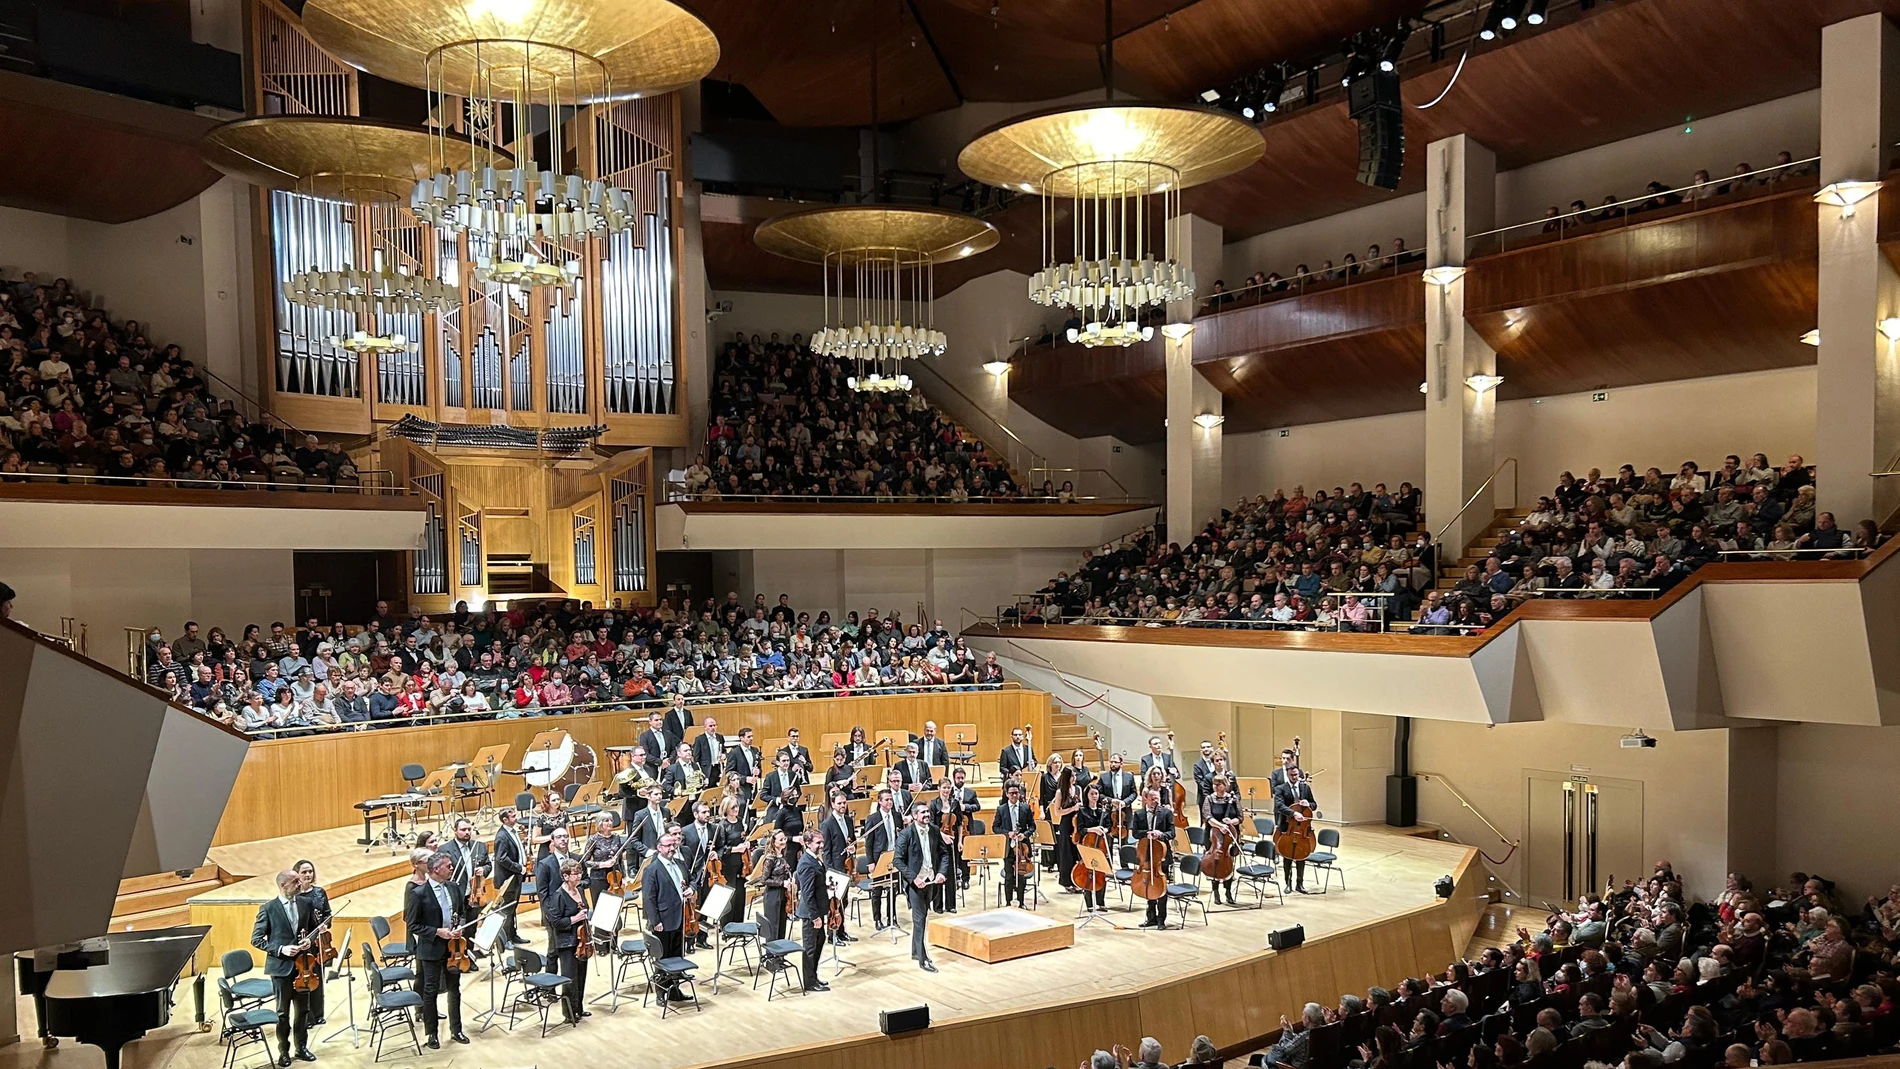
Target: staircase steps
[
  {"x": 159, "y": 901},
  {"x": 1451, "y": 571}
]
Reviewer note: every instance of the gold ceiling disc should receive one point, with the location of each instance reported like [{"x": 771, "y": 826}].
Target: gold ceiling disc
[
  {"x": 933, "y": 234},
  {"x": 338, "y": 158},
  {"x": 1136, "y": 148},
  {"x": 643, "y": 47}
]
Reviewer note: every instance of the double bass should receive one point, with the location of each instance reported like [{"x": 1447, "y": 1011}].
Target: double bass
[{"x": 1179, "y": 794}]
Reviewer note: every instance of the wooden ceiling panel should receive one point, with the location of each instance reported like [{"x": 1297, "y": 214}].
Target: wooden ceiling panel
[
  {"x": 1209, "y": 44},
  {"x": 93, "y": 155}
]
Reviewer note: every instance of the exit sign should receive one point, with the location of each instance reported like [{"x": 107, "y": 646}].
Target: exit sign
[{"x": 1600, "y": 395}]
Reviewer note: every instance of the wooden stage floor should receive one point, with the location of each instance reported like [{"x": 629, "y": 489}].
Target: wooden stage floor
[{"x": 1388, "y": 872}]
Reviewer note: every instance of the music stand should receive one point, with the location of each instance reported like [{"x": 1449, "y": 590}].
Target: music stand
[
  {"x": 607, "y": 907},
  {"x": 883, "y": 878},
  {"x": 860, "y": 809},
  {"x": 1095, "y": 861},
  {"x": 980, "y": 852},
  {"x": 869, "y": 778},
  {"x": 718, "y": 900},
  {"x": 1253, "y": 789},
  {"x": 349, "y": 990},
  {"x": 837, "y": 886}
]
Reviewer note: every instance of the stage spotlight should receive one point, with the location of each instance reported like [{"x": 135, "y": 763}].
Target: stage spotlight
[
  {"x": 1394, "y": 47},
  {"x": 1539, "y": 13},
  {"x": 1492, "y": 21},
  {"x": 1508, "y": 20},
  {"x": 1210, "y": 95},
  {"x": 1246, "y": 111}
]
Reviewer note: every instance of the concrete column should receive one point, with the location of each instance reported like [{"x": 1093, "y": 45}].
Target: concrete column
[
  {"x": 1857, "y": 402},
  {"x": 1460, "y": 194},
  {"x": 694, "y": 291},
  {"x": 1194, "y": 451}
]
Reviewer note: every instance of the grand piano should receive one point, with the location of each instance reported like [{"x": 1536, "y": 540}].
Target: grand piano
[{"x": 112, "y": 990}]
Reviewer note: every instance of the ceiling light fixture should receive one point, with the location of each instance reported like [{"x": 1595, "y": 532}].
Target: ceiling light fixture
[
  {"x": 363, "y": 343},
  {"x": 1110, "y": 252},
  {"x": 1484, "y": 383},
  {"x": 1539, "y": 12},
  {"x": 1210, "y": 96},
  {"x": 1890, "y": 328}
]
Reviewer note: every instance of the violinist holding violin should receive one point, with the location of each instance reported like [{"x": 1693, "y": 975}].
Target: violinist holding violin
[
  {"x": 947, "y": 819},
  {"x": 566, "y": 915},
  {"x": 432, "y": 912},
  {"x": 1016, "y": 821},
  {"x": 282, "y": 931},
  {"x": 814, "y": 904},
  {"x": 839, "y": 844},
  {"x": 318, "y": 901}
]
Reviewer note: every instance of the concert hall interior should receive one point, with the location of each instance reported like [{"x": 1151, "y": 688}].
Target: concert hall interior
[{"x": 1375, "y": 552}]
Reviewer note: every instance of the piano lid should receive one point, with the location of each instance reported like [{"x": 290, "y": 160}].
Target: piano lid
[{"x": 139, "y": 962}]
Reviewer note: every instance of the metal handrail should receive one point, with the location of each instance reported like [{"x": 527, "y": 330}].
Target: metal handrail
[
  {"x": 378, "y": 487},
  {"x": 1045, "y": 470},
  {"x": 1466, "y": 802},
  {"x": 1101, "y": 698},
  {"x": 1388, "y": 265},
  {"x": 676, "y": 492},
  {"x": 1783, "y": 169},
  {"x": 1033, "y": 456},
  {"x": 262, "y": 412},
  {"x": 1473, "y": 499}
]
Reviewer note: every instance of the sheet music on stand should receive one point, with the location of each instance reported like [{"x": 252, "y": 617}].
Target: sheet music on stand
[
  {"x": 606, "y": 908},
  {"x": 488, "y": 931}
]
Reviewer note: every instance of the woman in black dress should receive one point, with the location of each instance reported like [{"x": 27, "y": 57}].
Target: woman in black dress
[
  {"x": 788, "y": 816},
  {"x": 728, "y": 840},
  {"x": 774, "y": 873},
  {"x": 566, "y": 917},
  {"x": 1094, "y": 817},
  {"x": 840, "y": 776},
  {"x": 1222, "y": 810},
  {"x": 1062, "y": 813}
]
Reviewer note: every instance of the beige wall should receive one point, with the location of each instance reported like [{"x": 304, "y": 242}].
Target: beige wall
[
  {"x": 111, "y": 589},
  {"x": 1685, "y": 787},
  {"x": 1831, "y": 813},
  {"x": 1661, "y": 424},
  {"x": 946, "y": 581}
]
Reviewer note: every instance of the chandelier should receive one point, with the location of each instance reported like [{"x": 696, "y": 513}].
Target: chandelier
[
  {"x": 528, "y": 271},
  {"x": 376, "y": 291},
  {"x": 879, "y": 268},
  {"x": 516, "y": 76},
  {"x": 362, "y": 342}
]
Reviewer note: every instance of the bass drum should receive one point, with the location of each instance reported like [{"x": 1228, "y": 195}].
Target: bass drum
[
  {"x": 581, "y": 770},
  {"x": 540, "y": 768}
]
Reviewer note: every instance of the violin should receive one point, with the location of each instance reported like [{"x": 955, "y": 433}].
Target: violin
[
  {"x": 460, "y": 959},
  {"x": 616, "y": 882},
  {"x": 317, "y": 949}
]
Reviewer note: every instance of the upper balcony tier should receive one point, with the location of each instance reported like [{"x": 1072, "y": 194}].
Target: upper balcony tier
[
  {"x": 828, "y": 524},
  {"x": 1778, "y": 641},
  {"x": 95, "y": 513},
  {"x": 1709, "y": 287}
]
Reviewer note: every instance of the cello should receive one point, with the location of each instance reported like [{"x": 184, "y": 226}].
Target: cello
[
  {"x": 1179, "y": 791},
  {"x": 1150, "y": 880},
  {"x": 1298, "y": 840},
  {"x": 1217, "y": 860}
]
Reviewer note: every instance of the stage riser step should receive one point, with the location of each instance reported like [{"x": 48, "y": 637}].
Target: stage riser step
[
  {"x": 161, "y": 898},
  {"x": 151, "y": 919}
]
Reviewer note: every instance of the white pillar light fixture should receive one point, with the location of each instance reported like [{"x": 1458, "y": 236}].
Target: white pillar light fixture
[
  {"x": 1444, "y": 274},
  {"x": 1484, "y": 383},
  {"x": 1844, "y": 195},
  {"x": 999, "y": 368},
  {"x": 1890, "y": 328},
  {"x": 1207, "y": 421},
  {"x": 1812, "y": 337},
  {"x": 1176, "y": 331}
]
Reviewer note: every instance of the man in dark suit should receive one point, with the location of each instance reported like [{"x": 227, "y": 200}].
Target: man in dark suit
[
  {"x": 641, "y": 773},
  {"x": 813, "y": 905},
  {"x": 1154, "y": 821},
  {"x": 1156, "y": 757},
  {"x": 679, "y": 777},
  {"x": 431, "y": 912},
  {"x": 647, "y": 826},
  {"x": 963, "y": 798},
  {"x": 1287, "y": 760},
  {"x": 697, "y": 843},
  {"x": 318, "y": 902},
  {"x": 914, "y": 769},
  {"x": 547, "y": 873},
  {"x": 1017, "y": 756},
  {"x": 881, "y": 829},
  {"x": 1295, "y": 789},
  {"x": 801, "y": 757},
  {"x": 901, "y": 797},
  {"x": 509, "y": 869},
  {"x": 1015, "y": 820},
  {"x": 283, "y": 925},
  {"x": 839, "y": 837},
  {"x": 931, "y": 748},
  {"x": 1204, "y": 773},
  {"x": 663, "y": 888},
  {"x": 923, "y": 860},
  {"x": 657, "y": 743},
  {"x": 709, "y": 750},
  {"x": 746, "y": 760},
  {"x": 677, "y": 722},
  {"x": 1119, "y": 784},
  {"x": 469, "y": 854},
  {"x": 786, "y": 776}
]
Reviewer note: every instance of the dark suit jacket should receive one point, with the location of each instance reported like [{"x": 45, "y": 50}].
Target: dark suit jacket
[
  {"x": 558, "y": 912},
  {"x": 1014, "y": 759},
  {"x": 709, "y": 755},
  {"x": 1121, "y": 785},
  {"x": 1139, "y": 822},
  {"x": 674, "y": 781},
  {"x": 933, "y": 752},
  {"x": 914, "y": 774},
  {"x": 643, "y": 836},
  {"x": 746, "y": 763},
  {"x": 547, "y": 874},
  {"x": 801, "y": 757},
  {"x": 876, "y": 838},
  {"x": 677, "y": 723},
  {"x": 812, "y": 894},
  {"x": 1019, "y": 818},
  {"x": 773, "y": 786},
  {"x": 507, "y": 857},
  {"x": 694, "y": 850},
  {"x": 909, "y": 857},
  {"x": 1283, "y": 798},
  {"x": 1165, "y": 760},
  {"x": 665, "y": 909},
  {"x": 273, "y": 931},
  {"x": 318, "y": 901},
  {"x": 837, "y": 840},
  {"x": 423, "y": 914},
  {"x": 660, "y": 749},
  {"x": 469, "y": 863}
]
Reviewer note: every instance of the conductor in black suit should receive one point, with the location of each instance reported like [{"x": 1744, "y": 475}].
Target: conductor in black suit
[
  {"x": 924, "y": 862},
  {"x": 283, "y": 924},
  {"x": 1296, "y": 789},
  {"x": 507, "y": 856},
  {"x": 663, "y": 899},
  {"x": 431, "y": 912},
  {"x": 814, "y": 905}
]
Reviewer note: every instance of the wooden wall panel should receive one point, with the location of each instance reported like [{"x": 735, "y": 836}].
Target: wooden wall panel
[{"x": 304, "y": 784}]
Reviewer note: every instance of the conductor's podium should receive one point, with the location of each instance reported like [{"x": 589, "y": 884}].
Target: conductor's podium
[{"x": 999, "y": 934}]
